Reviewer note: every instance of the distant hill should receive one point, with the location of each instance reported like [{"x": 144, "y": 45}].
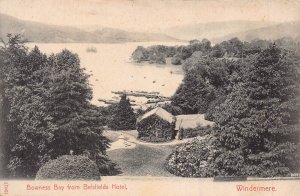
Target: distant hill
[
  {"x": 288, "y": 29},
  {"x": 214, "y": 29},
  {"x": 118, "y": 35},
  {"x": 39, "y": 32}
]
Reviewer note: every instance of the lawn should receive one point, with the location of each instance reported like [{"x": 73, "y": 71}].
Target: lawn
[{"x": 142, "y": 160}]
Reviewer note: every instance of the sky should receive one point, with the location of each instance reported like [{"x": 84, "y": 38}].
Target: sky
[{"x": 149, "y": 15}]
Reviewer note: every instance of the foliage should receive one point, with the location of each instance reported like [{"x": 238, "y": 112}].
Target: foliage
[
  {"x": 174, "y": 110},
  {"x": 157, "y": 58},
  {"x": 206, "y": 83},
  {"x": 206, "y": 80},
  {"x": 69, "y": 167},
  {"x": 107, "y": 112},
  {"x": 185, "y": 52},
  {"x": 213, "y": 108},
  {"x": 257, "y": 115},
  {"x": 154, "y": 139},
  {"x": 259, "y": 121},
  {"x": 176, "y": 60},
  {"x": 46, "y": 109},
  {"x": 28, "y": 127},
  {"x": 123, "y": 117},
  {"x": 140, "y": 54},
  {"x": 193, "y": 159},
  {"x": 159, "y": 53},
  {"x": 194, "y": 132},
  {"x": 153, "y": 54}
]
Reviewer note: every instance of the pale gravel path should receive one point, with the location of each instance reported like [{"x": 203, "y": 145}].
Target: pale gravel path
[{"x": 128, "y": 141}]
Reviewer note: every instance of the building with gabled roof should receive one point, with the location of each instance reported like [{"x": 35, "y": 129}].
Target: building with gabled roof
[
  {"x": 159, "y": 125},
  {"x": 156, "y": 125},
  {"x": 162, "y": 113}
]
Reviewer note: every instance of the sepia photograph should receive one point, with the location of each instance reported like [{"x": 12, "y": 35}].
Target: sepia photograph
[{"x": 149, "y": 97}]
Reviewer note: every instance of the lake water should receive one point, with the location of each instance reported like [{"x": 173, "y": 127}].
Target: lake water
[{"x": 113, "y": 70}]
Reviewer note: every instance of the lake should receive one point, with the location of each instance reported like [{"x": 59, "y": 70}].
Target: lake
[{"x": 111, "y": 68}]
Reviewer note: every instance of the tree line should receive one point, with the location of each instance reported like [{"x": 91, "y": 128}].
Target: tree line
[{"x": 232, "y": 48}]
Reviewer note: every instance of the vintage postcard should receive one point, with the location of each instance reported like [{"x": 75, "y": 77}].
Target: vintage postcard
[{"x": 149, "y": 97}]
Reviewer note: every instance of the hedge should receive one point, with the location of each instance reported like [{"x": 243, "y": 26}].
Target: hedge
[
  {"x": 194, "y": 132},
  {"x": 154, "y": 139},
  {"x": 69, "y": 167}
]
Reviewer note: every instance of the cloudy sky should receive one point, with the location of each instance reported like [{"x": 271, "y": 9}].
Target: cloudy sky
[{"x": 150, "y": 15}]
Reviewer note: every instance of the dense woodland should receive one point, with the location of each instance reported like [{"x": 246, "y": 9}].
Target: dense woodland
[
  {"x": 46, "y": 111},
  {"x": 253, "y": 96},
  {"x": 233, "y": 48}
]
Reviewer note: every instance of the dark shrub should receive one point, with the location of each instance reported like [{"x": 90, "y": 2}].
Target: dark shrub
[
  {"x": 175, "y": 110},
  {"x": 157, "y": 58},
  {"x": 193, "y": 159},
  {"x": 153, "y": 139},
  {"x": 176, "y": 60},
  {"x": 140, "y": 54},
  {"x": 194, "y": 132},
  {"x": 69, "y": 167}
]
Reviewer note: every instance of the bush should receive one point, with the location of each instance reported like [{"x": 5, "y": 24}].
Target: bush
[
  {"x": 157, "y": 58},
  {"x": 176, "y": 60},
  {"x": 194, "y": 132},
  {"x": 194, "y": 159},
  {"x": 69, "y": 167},
  {"x": 174, "y": 110}
]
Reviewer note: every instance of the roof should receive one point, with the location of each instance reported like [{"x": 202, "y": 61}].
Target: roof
[
  {"x": 159, "y": 112},
  {"x": 191, "y": 121}
]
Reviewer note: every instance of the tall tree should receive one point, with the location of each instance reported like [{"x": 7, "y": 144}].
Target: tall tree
[
  {"x": 79, "y": 123},
  {"x": 205, "y": 80},
  {"x": 124, "y": 117},
  {"x": 194, "y": 94},
  {"x": 258, "y": 125},
  {"x": 28, "y": 128}
]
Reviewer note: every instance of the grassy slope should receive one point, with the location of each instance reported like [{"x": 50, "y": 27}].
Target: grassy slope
[{"x": 142, "y": 160}]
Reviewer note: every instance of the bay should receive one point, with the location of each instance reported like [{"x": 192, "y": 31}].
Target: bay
[{"x": 112, "y": 69}]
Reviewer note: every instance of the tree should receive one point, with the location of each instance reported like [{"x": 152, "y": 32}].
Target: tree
[
  {"x": 259, "y": 120},
  {"x": 4, "y": 133},
  {"x": 79, "y": 123},
  {"x": 140, "y": 54},
  {"x": 27, "y": 126},
  {"x": 193, "y": 95},
  {"x": 205, "y": 80},
  {"x": 124, "y": 117}
]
